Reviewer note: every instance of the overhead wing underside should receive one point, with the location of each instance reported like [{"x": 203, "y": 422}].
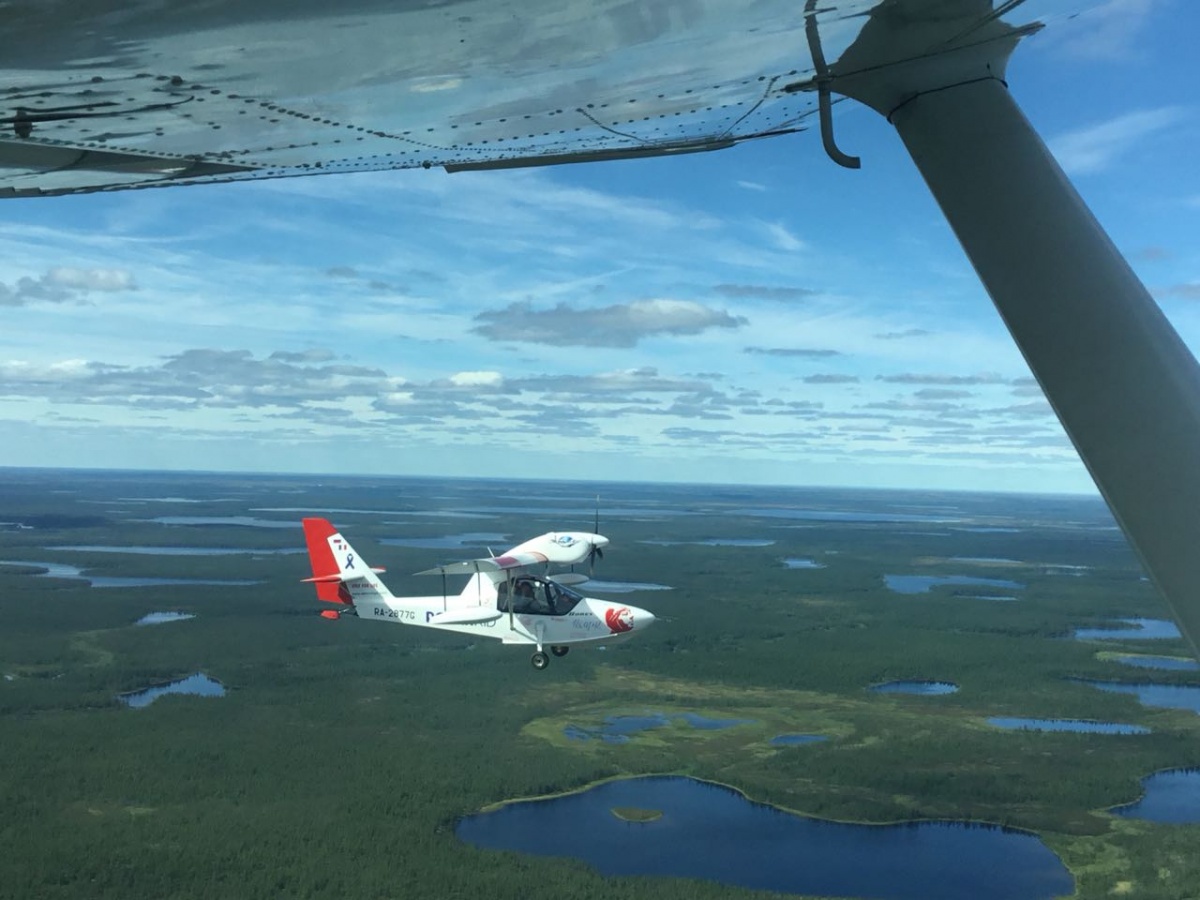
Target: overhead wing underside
[{"x": 106, "y": 95}]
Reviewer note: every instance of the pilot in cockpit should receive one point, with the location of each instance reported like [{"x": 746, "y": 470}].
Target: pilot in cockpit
[
  {"x": 522, "y": 594},
  {"x": 533, "y": 596}
]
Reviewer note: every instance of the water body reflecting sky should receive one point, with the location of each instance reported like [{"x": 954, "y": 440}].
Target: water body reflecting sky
[
  {"x": 919, "y": 688},
  {"x": 1162, "y": 696},
  {"x": 74, "y": 573},
  {"x": 1166, "y": 663},
  {"x": 198, "y": 684},
  {"x": 1082, "y": 726},
  {"x": 711, "y": 832},
  {"x": 1172, "y": 796},
  {"x": 921, "y": 584},
  {"x": 1139, "y": 630}
]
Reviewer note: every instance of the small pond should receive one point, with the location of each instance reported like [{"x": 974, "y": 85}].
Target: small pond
[
  {"x": 1139, "y": 630},
  {"x": 1172, "y": 796},
  {"x": 1163, "y": 696},
  {"x": 159, "y": 618},
  {"x": 798, "y": 563},
  {"x": 74, "y": 573},
  {"x": 920, "y": 688},
  {"x": 797, "y": 740},
  {"x": 198, "y": 684},
  {"x": 921, "y": 584},
  {"x": 1166, "y": 663},
  {"x": 712, "y": 832},
  {"x": 1073, "y": 725}
]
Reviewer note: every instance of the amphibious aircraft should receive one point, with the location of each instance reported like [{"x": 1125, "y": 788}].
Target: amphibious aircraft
[
  {"x": 504, "y": 598},
  {"x": 116, "y": 94}
]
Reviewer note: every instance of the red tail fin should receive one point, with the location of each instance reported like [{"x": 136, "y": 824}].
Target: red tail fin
[{"x": 330, "y": 589}]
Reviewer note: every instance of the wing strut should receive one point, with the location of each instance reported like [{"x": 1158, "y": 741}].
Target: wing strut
[{"x": 1122, "y": 382}]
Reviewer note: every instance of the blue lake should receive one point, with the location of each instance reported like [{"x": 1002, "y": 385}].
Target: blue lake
[
  {"x": 74, "y": 573},
  {"x": 1073, "y": 725},
  {"x": 1139, "y": 630},
  {"x": 921, "y": 584},
  {"x": 1172, "y": 797},
  {"x": 160, "y": 618},
  {"x": 797, "y": 740},
  {"x": 198, "y": 684},
  {"x": 712, "y": 832},
  {"x": 797, "y": 563},
  {"x": 1163, "y": 696},
  {"x": 920, "y": 688},
  {"x": 706, "y": 724},
  {"x": 1167, "y": 663}
]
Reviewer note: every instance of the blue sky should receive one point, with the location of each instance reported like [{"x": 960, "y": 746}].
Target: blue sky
[{"x": 752, "y": 315}]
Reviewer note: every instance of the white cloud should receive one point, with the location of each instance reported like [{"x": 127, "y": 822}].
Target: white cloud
[
  {"x": 477, "y": 379},
  {"x": 91, "y": 279},
  {"x": 783, "y": 239},
  {"x": 65, "y": 285},
  {"x": 620, "y": 325},
  {"x": 1094, "y": 148},
  {"x": 1108, "y": 32}
]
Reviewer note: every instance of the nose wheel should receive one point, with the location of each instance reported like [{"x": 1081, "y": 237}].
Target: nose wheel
[{"x": 540, "y": 660}]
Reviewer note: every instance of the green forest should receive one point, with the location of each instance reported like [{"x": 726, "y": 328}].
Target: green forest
[{"x": 343, "y": 753}]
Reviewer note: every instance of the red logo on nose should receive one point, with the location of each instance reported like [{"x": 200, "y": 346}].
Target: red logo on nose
[{"x": 619, "y": 620}]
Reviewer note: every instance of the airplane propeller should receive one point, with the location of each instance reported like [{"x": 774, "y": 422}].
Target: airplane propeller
[{"x": 595, "y": 553}]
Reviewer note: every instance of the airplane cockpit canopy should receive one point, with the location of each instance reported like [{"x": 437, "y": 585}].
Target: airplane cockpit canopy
[{"x": 532, "y": 595}]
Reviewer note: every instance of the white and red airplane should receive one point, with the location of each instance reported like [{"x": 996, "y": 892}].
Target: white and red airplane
[{"x": 504, "y": 598}]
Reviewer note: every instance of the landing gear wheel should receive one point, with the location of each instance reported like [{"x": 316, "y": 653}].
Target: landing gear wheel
[
  {"x": 560, "y": 651},
  {"x": 540, "y": 660}
]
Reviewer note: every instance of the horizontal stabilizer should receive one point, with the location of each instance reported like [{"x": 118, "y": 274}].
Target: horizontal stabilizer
[
  {"x": 337, "y": 578},
  {"x": 471, "y": 616}
]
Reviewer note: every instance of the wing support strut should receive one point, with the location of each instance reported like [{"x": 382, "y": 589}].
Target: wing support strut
[{"x": 1122, "y": 382}]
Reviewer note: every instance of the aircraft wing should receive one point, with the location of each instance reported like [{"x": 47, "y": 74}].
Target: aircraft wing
[
  {"x": 114, "y": 94},
  {"x": 492, "y": 564}
]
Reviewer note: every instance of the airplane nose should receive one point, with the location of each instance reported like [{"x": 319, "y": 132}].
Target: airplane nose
[{"x": 643, "y": 619}]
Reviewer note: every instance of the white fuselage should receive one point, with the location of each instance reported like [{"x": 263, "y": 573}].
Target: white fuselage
[{"x": 590, "y": 620}]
